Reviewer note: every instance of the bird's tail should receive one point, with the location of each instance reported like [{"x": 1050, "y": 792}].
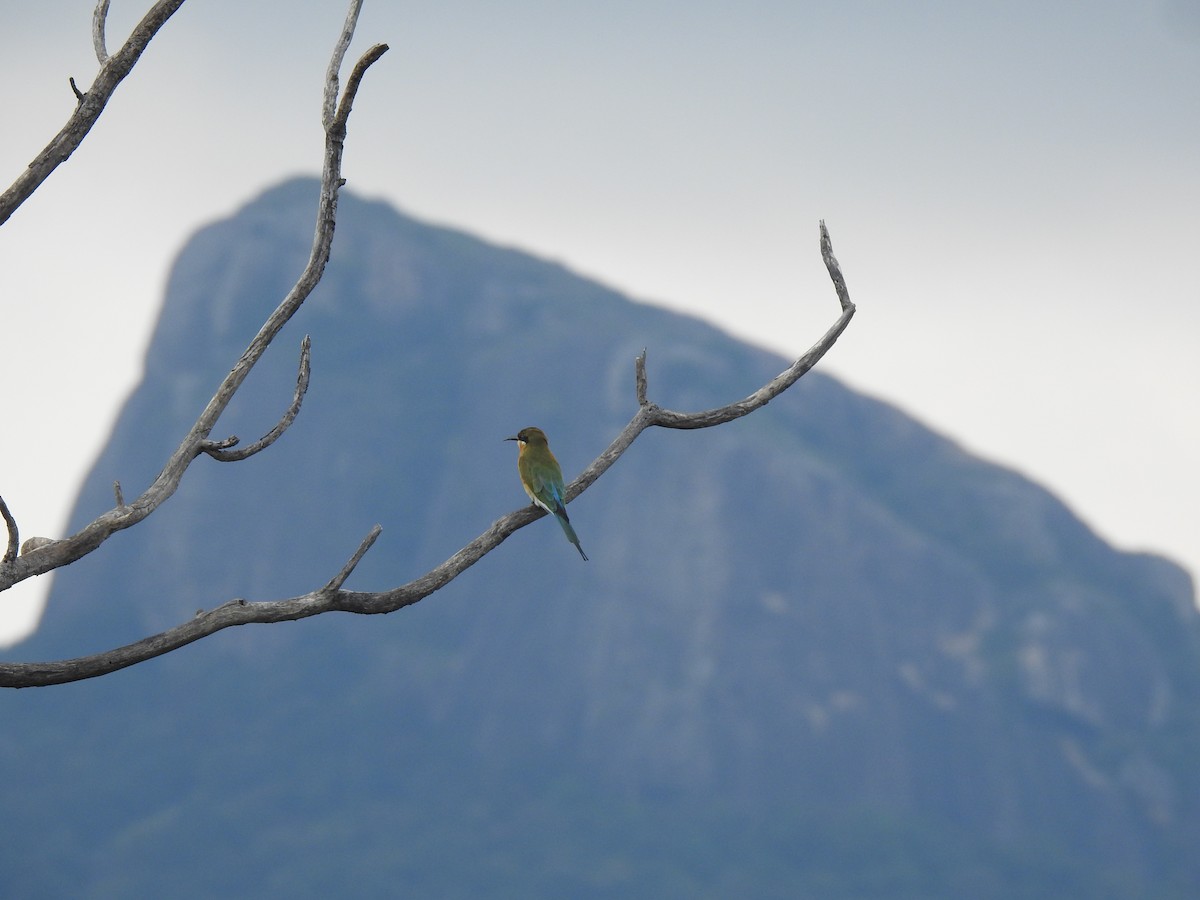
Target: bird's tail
[{"x": 561, "y": 515}]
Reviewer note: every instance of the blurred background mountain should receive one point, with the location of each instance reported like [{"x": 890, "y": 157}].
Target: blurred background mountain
[{"x": 820, "y": 651}]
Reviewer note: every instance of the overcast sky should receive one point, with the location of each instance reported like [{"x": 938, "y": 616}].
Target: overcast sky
[{"x": 1013, "y": 190}]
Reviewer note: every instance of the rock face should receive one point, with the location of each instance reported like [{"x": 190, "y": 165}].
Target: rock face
[{"x": 819, "y": 652}]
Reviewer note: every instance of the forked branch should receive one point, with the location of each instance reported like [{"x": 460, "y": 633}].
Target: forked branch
[
  {"x": 650, "y": 413},
  {"x": 39, "y": 555},
  {"x": 332, "y": 597},
  {"x": 54, "y": 554},
  {"x": 91, "y": 103},
  {"x": 223, "y": 450}
]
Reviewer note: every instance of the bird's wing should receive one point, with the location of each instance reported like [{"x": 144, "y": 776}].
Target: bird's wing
[{"x": 547, "y": 488}]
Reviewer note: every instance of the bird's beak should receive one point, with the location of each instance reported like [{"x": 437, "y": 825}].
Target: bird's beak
[{"x": 512, "y": 439}]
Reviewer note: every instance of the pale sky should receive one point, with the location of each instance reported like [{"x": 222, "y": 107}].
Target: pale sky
[{"x": 1013, "y": 190}]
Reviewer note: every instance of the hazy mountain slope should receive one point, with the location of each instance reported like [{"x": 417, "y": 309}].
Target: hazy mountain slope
[{"x": 821, "y": 649}]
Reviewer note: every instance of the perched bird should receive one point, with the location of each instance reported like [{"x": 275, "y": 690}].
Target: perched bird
[{"x": 542, "y": 478}]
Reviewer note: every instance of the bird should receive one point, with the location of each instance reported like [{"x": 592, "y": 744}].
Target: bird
[{"x": 542, "y": 478}]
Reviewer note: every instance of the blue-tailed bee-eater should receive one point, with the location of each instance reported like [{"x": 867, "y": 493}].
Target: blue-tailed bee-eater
[{"x": 542, "y": 478}]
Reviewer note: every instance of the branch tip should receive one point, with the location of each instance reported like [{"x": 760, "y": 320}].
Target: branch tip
[
  {"x": 221, "y": 451},
  {"x": 639, "y": 368},
  {"x": 835, "y": 271},
  {"x": 99, "y": 17},
  {"x": 329, "y": 101},
  {"x": 14, "y": 535},
  {"x": 337, "y": 124},
  {"x": 335, "y": 584}
]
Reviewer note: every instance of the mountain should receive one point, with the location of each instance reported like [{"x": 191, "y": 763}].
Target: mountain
[{"x": 818, "y": 652}]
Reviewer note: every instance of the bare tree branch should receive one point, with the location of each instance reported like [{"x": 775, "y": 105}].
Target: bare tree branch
[
  {"x": 112, "y": 72},
  {"x": 99, "y": 18},
  {"x": 14, "y": 536},
  {"x": 332, "y": 597},
  {"x": 649, "y": 413},
  {"x": 329, "y": 102},
  {"x": 219, "y": 450},
  {"x": 42, "y": 555},
  {"x": 91, "y": 536},
  {"x": 335, "y": 583},
  {"x": 338, "y": 125}
]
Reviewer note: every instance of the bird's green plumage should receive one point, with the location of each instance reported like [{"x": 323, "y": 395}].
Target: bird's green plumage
[{"x": 542, "y": 479}]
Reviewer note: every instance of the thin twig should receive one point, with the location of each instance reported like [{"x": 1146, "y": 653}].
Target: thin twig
[
  {"x": 835, "y": 271},
  {"x": 639, "y": 377},
  {"x": 218, "y": 450},
  {"x": 329, "y": 101},
  {"x": 99, "y": 17},
  {"x": 335, "y": 583},
  {"x": 338, "y": 125},
  {"x": 14, "y": 536}
]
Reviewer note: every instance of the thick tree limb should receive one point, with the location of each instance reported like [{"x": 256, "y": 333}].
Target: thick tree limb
[
  {"x": 60, "y": 553},
  {"x": 331, "y": 597},
  {"x": 113, "y": 70}
]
